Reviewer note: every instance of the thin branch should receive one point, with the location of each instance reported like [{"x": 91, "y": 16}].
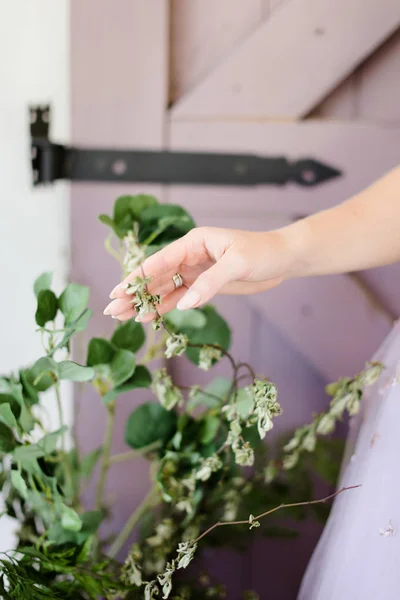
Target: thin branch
[
  {"x": 126, "y": 531},
  {"x": 106, "y": 455},
  {"x": 272, "y": 510},
  {"x": 117, "y": 458}
]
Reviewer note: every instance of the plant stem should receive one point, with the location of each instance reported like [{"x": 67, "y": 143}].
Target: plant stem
[
  {"x": 65, "y": 460},
  {"x": 60, "y": 415},
  {"x": 117, "y": 458},
  {"x": 105, "y": 462},
  {"x": 272, "y": 510},
  {"x": 123, "y": 536}
]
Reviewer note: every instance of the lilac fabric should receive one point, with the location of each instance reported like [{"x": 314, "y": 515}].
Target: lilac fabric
[{"x": 358, "y": 553}]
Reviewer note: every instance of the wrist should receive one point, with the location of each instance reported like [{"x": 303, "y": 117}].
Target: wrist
[{"x": 296, "y": 242}]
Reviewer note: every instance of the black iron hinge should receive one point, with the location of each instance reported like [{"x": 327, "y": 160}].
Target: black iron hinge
[{"x": 51, "y": 162}]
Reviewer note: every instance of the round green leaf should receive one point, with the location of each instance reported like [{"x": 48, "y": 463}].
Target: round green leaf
[
  {"x": 100, "y": 352},
  {"x": 215, "y": 331},
  {"x": 149, "y": 423},
  {"x": 128, "y": 209},
  {"x": 19, "y": 483},
  {"x": 43, "y": 282},
  {"x": 210, "y": 426},
  {"x": 140, "y": 379},
  {"x": 7, "y": 440},
  {"x": 47, "y": 306},
  {"x": 73, "y": 301},
  {"x": 74, "y": 372},
  {"x": 122, "y": 366},
  {"x": 129, "y": 336},
  {"x": 45, "y": 373},
  {"x": 186, "y": 319},
  {"x": 7, "y": 416},
  {"x": 69, "y": 518}
]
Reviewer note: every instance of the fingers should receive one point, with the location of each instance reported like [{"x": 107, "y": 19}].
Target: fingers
[
  {"x": 165, "y": 261},
  {"x": 209, "y": 283},
  {"x": 168, "y": 303}
]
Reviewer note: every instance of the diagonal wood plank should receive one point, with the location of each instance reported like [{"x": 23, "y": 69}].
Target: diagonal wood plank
[
  {"x": 293, "y": 60},
  {"x": 329, "y": 320}
]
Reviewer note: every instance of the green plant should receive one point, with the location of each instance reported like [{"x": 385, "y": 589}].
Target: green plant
[{"x": 209, "y": 463}]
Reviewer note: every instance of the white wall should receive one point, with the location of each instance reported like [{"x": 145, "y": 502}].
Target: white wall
[{"x": 34, "y": 224}]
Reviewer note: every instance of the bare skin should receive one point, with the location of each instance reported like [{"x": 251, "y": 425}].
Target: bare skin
[{"x": 361, "y": 233}]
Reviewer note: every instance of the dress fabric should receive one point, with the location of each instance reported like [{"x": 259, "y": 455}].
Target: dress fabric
[{"x": 358, "y": 554}]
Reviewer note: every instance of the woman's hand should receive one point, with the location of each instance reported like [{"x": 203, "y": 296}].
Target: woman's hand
[{"x": 210, "y": 261}]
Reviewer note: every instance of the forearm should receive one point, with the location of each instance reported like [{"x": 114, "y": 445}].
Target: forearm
[{"x": 362, "y": 233}]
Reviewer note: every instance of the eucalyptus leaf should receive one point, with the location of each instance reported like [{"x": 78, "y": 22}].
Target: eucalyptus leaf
[
  {"x": 244, "y": 402},
  {"x": 7, "y": 416},
  {"x": 7, "y": 440},
  {"x": 45, "y": 446},
  {"x": 122, "y": 366},
  {"x": 215, "y": 332},
  {"x": 74, "y": 327},
  {"x": 210, "y": 426},
  {"x": 213, "y": 395},
  {"x": 47, "y": 306},
  {"x": 19, "y": 483},
  {"x": 128, "y": 210},
  {"x": 129, "y": 336},
  {"x": 73, "y": 301},
  {"x": 100, "y": 352},
  {"x": 30, "y": 393},
  {"x": 69, "y": 518},
  {"x": 45, "y": 373},
  {"x": 140, "y": 379},
  {"x": 150, "y": 423},
  {"x": 43, "y": 282},
  {"x": 186, "y": 319},
  {"x": 73, "y": 372}
]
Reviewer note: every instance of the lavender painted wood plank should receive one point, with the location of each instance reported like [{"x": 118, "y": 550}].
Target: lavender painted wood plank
[
  {"x": 119, "y": 83},
  {"x": 329, "y": 319},
  {"x": 363, "y": 152},
  {"x": 293, "y": 60},
  {"x": 379, "y": 89},
  {"x": 275, "y": 566},
  {"x": 341, "y": 103},
  {"x": 202, "y": 33}
]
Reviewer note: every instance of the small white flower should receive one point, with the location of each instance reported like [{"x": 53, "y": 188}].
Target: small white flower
[
  {"x": 151, "y": 590},
  {"x": 244, "y": 455},
  {"x": 185, "y": 553},
  {"x": 138, "y": 284},
  {"x": 208, "y": 354},
  {"x": 134, "y": 253},
  {"x": 290, "y": 461},
  {"x": 209, "y": 466},
  {"x": 326, "y": 424},
  {"x": 253, "y": 523},
  {"x": 176, "y": 345},
  {"x": 388, "y": 531},
  {"x": 167, "y": 393},
  {"x": 165, "y": 580}
]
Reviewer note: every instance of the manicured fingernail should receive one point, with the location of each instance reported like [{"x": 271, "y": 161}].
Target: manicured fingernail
[
  {"x": 107, "y": 309},
  {"x": 114, "y": 317},
  {"x": 189, "y": 300},
  {"x": 114, "y": 292}
]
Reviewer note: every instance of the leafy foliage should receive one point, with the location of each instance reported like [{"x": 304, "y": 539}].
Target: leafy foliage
[{"x": 199, "y": 443}]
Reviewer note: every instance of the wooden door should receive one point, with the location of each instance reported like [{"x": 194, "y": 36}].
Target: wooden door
[{"x": 273, "y": 77}]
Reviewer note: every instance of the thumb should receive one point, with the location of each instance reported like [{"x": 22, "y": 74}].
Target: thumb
[{"x": 208, "y": 284}]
